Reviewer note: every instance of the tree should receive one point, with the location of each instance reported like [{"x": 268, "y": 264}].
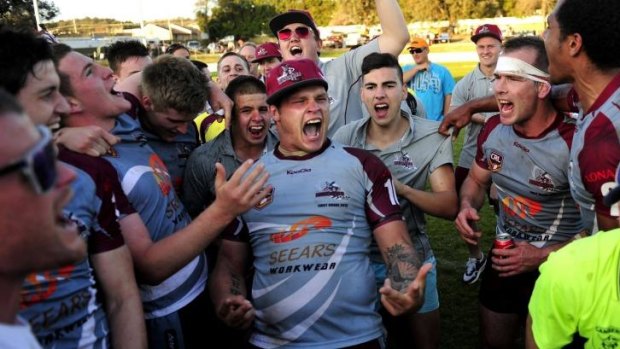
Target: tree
[
  {"x": 241, "y": 18},
  {"x": 20, "y": 13}
]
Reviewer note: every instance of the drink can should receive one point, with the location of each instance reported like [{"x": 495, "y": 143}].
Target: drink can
[{"x": 503, "y": 241}]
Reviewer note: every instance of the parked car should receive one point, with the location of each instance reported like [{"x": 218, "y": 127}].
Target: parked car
[
  {"x": 442, "y": 38},
  {"x": 194, "y": 46},
  {"x": 334, "y": 41}
]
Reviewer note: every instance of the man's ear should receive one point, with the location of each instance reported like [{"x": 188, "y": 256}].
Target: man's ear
[
  {"x": 75, "y": 106},
  {"x": 147, "y": 103},
  {"x": 544, "y": 89},
  {"x": 275, "y": 114},
  {"x": 575, "y": 44}
]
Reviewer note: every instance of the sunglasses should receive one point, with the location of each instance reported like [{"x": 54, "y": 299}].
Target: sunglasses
[
  {"x": 416, "y": 50},
  {"x": 38, "y": 166},
  {"x": 285, "y": 34}
]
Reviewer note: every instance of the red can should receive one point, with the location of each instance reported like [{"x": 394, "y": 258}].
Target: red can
[{"x": 503, "y": 241}]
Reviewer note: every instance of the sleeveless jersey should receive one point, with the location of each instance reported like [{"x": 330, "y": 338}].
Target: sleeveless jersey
[
  {"x": 147, "y": 183},
  {"x": 531, "y": 175},
  {"x": 310, "y": 240},
  {"x": 411, "y": 160},
  {"x": 62, "y": 305},
  {"x": 596, "y": 154}
]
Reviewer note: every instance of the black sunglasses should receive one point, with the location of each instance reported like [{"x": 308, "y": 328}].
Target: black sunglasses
[
  {"x": 285, "y": 34},
  {"x": 38, "y": 166},
  {"x": 416, "y": 50}
]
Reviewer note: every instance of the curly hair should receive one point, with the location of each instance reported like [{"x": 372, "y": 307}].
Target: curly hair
[
  {"x": 598, "y": 23},
  {"x": 20, "y": 52},
  {"x": 121, "y": 51},
  {"x": 175, "y": 83}
]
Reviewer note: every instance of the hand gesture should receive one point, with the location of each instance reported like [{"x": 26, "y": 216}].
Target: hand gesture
[
  {"x": 397, "y": 303},
  {"x": 241, "y": 192},
  {"x": 464, "y": 221},
  {"x": 237, "y": 312},
  {"x": 90, "y": 140}
]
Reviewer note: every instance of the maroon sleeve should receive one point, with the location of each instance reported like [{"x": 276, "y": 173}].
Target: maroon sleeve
[
  {"x": 487, "y": 128},
  {"x": 381, "y": 200},
  {"x": 572, "y": 101},
  {"x": 599, "y": 159}
]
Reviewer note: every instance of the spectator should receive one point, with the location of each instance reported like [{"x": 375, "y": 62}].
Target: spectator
[
  {"x": 126, "y": 58},
  {"x": 389, "y": 134},
  {"x": 267, "y": 57},
  {"x": 432, "y": 83},
  {"x": 229, "y": 66},
  {"x": 248, "y": 51},
  {"x": 341, "y": 197},
  {"x": 178, "y": 50}
]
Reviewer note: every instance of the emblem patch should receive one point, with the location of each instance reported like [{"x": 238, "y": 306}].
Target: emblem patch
[{"x": 495, "y": 161}]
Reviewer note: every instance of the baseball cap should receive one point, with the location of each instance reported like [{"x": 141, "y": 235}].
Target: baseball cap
[
  {"x": 267, "y": 50},
  {"x": 293, "y": 16},
  {"x": 487, "y": 30},
  {"x": 417, "y": 42},
  {"x": 292, "y": 75},
  {"x": 613, "y": 195}
]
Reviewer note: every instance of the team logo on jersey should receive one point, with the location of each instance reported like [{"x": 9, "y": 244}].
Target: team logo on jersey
[
  {"x": 495, "y": 161},
  {"x": 160, "y": 172},
  {"x": 404, "y": 161},
  {"x": 301, "y": 228},
  {"x": 542, "y": 179},
  {"x": 331, "y": 190},
  {"x": 266, "y": 200}
]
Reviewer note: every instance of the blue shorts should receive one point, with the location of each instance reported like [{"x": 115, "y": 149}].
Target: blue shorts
[{"x": 431, "y": 297}]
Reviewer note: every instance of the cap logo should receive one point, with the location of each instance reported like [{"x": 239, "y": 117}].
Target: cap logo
[
  {"x": 261, "y": 51},
  {"x": 484, "y": 29},
  {"x": 289, "y": 74}
]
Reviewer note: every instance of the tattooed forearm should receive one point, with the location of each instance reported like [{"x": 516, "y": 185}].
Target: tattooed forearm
[
  {"x": 402, "y": 265},
  {"x": 235, "y": 284}
]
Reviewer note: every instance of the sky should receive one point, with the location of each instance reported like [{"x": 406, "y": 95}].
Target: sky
[{"x": 131, "y": 10}]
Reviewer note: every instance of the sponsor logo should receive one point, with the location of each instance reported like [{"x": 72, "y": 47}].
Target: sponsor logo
[
  {"x": 495, "y": 161},
  {"x": 331, "y": 190},
  {"x": 605, "y": 175},
  {"x": 160, "y": 172},
  {"x": 521, "y": 146},
  {"x": 404, "y": 161},
  {"x": 301, "y": 170},
  {"x": 521, "y": 207},
  {"x": 301, "y": 228}
]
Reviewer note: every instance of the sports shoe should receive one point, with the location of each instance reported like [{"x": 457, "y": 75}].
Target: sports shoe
[{"x": 473, "y": 269}]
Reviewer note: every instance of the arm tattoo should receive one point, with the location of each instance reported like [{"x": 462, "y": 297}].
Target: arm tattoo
[
  {"x": 235, "y": 284},
  {"x": 402, "y": 265}
]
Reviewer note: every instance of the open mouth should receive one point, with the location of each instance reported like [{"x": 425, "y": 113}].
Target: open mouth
[
  {"x": 312, "y": 128},
  {"x": 256, "y": 130},
  {"x": 505, "y": 106},
  {"x": 296, "y": 51},
  {"x": 381, "y": 109}
]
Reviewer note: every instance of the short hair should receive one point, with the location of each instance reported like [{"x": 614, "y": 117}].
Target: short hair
[
  {"x": 9, "y": 104},
  {"x": 377, "y": 60},
  {"x": 228, "y": 54},
  {"x": 174, "y": 82},
  {"x": 60, "y": 51},
  {"x": 598, "y": 23},
  {"x": 249, "y": 43},
  {"x": 243, "y": 85},
  {"x": 121, "y": 51},
  {"x": 533, "y": 42},
  {"x": 20, "y": 51},
  {"x": 175, "y": 47}
]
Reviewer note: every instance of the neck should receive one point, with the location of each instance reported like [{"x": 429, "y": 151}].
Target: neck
[
  {"x": 10, "y": 293},
  {"x": 543, "y": 117},
  {"x": 487, "y": 70},
  {"x": 384, "y": 136},
  {"x": 295, "y": 153},
  {"x": 590, "y": 82},
  {"x": 247, "y": 151},
  {"x": 81, "y": 120}
]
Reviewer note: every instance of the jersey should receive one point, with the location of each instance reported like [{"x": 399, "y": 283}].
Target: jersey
[
  {"x": 63, "y": 305},
  {"x": 313, "y": 285},
  {"x": 407, "y": 164},
  {"x": 17, "y": 336},
  {"x": 531, "y": 175},
  {"x": 199, "y": 183},
  {"x": 578, "y": 292},
  {"x": 147, "y": 183},
  {"x": 431, "y": 86},
  {"x": 596, "y": 154},
  {"x": 471, "y": 86}
]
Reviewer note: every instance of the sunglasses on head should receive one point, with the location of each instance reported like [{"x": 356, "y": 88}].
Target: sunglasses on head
[
  {"x": 416, "y": 50},
  {"x": 38, "y": 166},
  {"x": 285, "y": 34}
]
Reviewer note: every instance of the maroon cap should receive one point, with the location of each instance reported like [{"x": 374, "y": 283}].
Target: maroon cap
[
  {"x": 267, "y": 50},
  {"x": 293, "y": 16},
  {"x": 487, "y": 30},
  {"x": 292, "y": 75}
]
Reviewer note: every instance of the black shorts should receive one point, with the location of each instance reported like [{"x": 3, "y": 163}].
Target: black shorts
[{"x": 506, "y": 294}]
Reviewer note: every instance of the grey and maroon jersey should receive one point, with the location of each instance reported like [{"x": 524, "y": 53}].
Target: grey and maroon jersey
[
  {"x": 313, "y": 285},
  {"x": 471, "y": 86},
  {"x": 531, "y": 175},
  {"x": 411, "y": 159},
  {"x": 63, "y": 305},
  {"x": 147, "y": 183},
  {"x": 596, "y": 154}
]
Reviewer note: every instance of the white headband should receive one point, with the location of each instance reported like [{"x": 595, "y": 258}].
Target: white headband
[{"x": 515, "y": 66}]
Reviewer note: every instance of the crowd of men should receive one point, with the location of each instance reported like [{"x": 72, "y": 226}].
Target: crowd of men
[{"x": 283, "y": 204}]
